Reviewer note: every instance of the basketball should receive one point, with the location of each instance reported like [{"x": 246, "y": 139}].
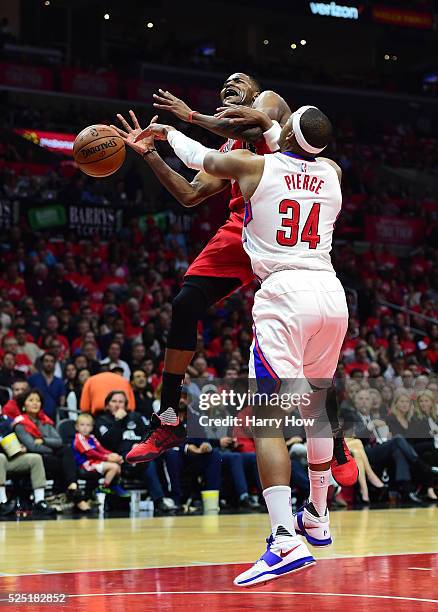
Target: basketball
[{"x": 99, "y": 151}]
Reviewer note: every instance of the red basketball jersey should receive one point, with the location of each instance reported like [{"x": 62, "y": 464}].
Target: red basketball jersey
[{"x": 237, "y": 202}]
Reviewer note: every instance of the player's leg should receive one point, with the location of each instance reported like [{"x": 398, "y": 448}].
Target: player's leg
[
  {"x": 320, "y": 360},
  {"x": 270, "y": 359},
  {"x": 197, "y": 294}
]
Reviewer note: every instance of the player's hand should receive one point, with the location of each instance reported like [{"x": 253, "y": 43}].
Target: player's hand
[
  {"x": 129, "y": 134},
  {"x": 157, "y": 131},
  {"x": 244, "y": 116},
  {"x": 167, "y": 101}
]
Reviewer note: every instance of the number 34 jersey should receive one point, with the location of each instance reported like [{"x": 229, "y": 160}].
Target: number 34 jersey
[{"x": 289, "y": 220}]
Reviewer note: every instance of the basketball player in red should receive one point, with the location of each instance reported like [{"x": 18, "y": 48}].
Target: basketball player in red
[{"x": 222, "y": 266}]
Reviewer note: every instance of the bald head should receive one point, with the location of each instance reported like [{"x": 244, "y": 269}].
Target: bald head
[{"x": 316, "y": 129}]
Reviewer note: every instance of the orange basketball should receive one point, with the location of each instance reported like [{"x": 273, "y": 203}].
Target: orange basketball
[{"x": 99, "y": 151}]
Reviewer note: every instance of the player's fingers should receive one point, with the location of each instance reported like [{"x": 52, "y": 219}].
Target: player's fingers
[
  {"x": 166, "y": 94},
  {"x": 134, "y": 120},
  {"x": 125, "y": 124},
  {"x": 162, "y": 106},
  {"x": 143, "y": 134},
  {"x": 122, "y": 133},
  {"x": 162, "y": 100},
  {"x": 154, "y": 119}
]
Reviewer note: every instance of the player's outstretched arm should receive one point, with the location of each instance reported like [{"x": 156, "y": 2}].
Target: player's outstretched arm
[
  {"x": 186, "y": 193},
  {"x": 268, "y": 102},
  {"x": 241, "y": 165}
]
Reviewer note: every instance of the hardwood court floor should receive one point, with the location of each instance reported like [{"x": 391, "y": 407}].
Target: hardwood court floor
[{"x": 380, "y": 560}]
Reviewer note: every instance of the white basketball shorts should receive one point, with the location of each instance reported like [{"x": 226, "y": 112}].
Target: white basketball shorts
[{"x": 300, "y": 320}]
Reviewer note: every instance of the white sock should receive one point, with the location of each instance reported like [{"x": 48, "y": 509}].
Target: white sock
[
  {"x": 3, "y": 498},
  {"x": 278, "y": 500},
  {"x": 38, "y": 495},
  {"x": 319, "y": 484},
  {"x": 169, "y": 417}
]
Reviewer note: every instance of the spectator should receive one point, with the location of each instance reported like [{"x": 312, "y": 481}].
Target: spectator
[
  {"x": 22, "y": 464},
  {"x": 22, "y": 361},
  {"x": 118, "y": 430},
  {"x": 114, "y": 352},
  {"x": 238, "y": 464},
  {"x": 70, "y": 372},
  {"x": 11, "y": 409},
  {"x": 395, "y": 454},
  {"x": 51, "y": 387},
  {"x": 143, "y": 394},
  {"x": 36, "y": 432},
  {"x": 73, "y": 400},
  {"x": 91, "y": 456},
  {"x": 97, "y": 387},
  {"x": 26, "y": 345},
  {"x": 196, "y": 456},
  {"x": 8, "y": 372}
]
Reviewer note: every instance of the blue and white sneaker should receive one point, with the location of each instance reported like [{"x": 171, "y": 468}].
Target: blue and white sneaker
[
  {"x": 315, "y": 528},
  {"x": 281, "y": 558}
]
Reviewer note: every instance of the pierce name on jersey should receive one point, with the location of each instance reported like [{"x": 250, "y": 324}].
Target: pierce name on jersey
[{"x": 290, "y": 218}]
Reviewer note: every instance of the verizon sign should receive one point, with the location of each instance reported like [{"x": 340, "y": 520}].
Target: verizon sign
[{"x": 332, "y": 9}]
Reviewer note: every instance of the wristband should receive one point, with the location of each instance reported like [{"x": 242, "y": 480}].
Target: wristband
[
  {"x": 272, "y": 136},
  {"x": 147, "y": 152},
  {"x": 191, "y": 115}
]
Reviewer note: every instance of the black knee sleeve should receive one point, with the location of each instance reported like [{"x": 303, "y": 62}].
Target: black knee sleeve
[
  {"x": 188, "y": 308},
  {"x": 190, "y": 305}
]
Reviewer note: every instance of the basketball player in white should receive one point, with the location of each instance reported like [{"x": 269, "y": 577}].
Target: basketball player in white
[{"x": 300, "y": 312}]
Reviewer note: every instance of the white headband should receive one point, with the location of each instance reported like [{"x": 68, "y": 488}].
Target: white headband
[{"x": 296, "y": 125}]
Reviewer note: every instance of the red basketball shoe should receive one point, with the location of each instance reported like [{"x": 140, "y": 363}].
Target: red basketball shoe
[
  {"x": 161, "y": 438},
  {"x": 344, "y": 467}
]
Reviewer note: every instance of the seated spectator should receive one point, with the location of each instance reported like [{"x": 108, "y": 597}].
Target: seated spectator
[
  {"x": 366, "y": 472},
  {"x": 8, "y": 372},
  {"x": 36, "y": 432},
  {"x": 51, "y": 387},
  {"x": 138, "y": 354},
  {"x": 70, "y": 372},
  {"x": 97, "y": 387},
  {"x": 114, "y": 352},
  {"x": 238, "y": 464},
  {"x": 22, "y": 464},
  {"x": 118, "y": 430},
  {"x": 402, "y": 410},
  {"x": 143, "y": 394},
  {"x": 26, "y": 344},
  {"x": 198, "y": 457},
  {"x": 90, "y": 351},
  {"x": 22, "y": 361},
  {"x": 360, "y": 361},
  {"x": 73, "y": 400},
  {"x": 11, "y": 409},
  {"x": 394, "y": 454},
  {"x": 91, "y": 456}
]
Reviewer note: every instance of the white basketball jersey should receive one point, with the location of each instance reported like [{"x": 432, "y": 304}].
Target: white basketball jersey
[{"x": 289, "y": 219}]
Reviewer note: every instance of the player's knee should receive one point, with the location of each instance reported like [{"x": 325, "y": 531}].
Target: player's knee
[{"x": 188, "y": 304}]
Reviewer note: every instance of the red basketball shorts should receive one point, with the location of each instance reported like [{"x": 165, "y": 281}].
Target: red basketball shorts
[{"x": 224, "y": 255}]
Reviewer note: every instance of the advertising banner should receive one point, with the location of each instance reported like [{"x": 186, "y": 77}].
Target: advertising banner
[
  {"x": 88, "y": 83},
  {"x": 403, "y": 232},
  {"x": 402, "y": 17},
  {"x": 28, "y": 77},
  {"x": 55, "y": 141}
]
